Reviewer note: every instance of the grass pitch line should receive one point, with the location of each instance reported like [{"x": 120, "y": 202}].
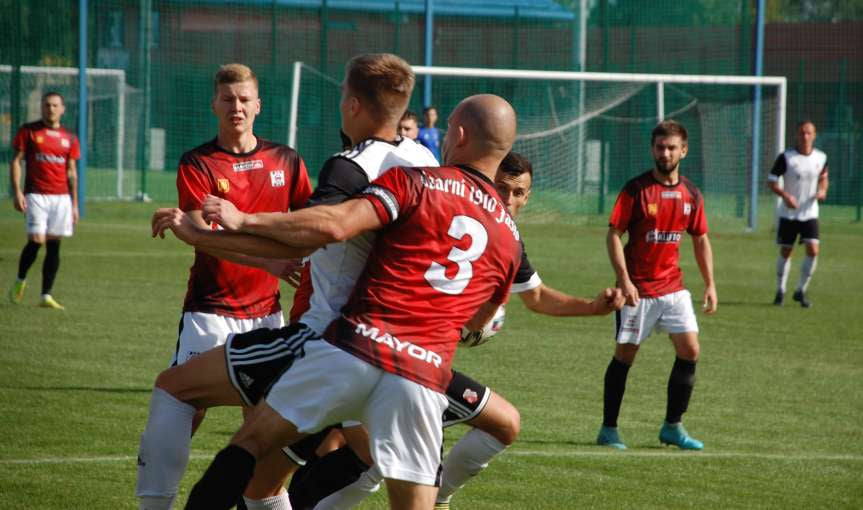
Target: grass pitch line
[{"x": 599, "y": 452}]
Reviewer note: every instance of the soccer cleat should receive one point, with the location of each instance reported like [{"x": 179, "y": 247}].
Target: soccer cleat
[
  {"x": 48, "y": 302},
  {"x": 801, "y": 298},
  {"x": 608, "y": 436},
  {"x": 441, "y": 506},
  {"x": 676, "y": 435},
  {"x": 16, "y": 293},
  {"x": 778, "y": 299}
]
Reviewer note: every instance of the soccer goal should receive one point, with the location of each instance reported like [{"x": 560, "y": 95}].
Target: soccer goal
[
  {"x": 108, "y": 106},
  {"x": 588, "y": 133}
]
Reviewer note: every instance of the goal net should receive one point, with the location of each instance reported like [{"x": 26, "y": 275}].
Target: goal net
[
  {"x": 111, "y": 105},
  {"x": 588, "y": 133}
]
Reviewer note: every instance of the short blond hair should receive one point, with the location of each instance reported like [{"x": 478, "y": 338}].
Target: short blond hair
[
  {"x": 233, "y": 73},
  {"x": 383, "y": 80}
]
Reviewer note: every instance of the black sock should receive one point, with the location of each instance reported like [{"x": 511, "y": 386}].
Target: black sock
[
  {"x": 28, "y": 256},
  {"x": 50, "y": 265},
  {"x": 224, "y": 481},
  {"x": 615, "y": 385},
  {"x": 330, "y": 473},
  {"x": 680, "y": 385}
]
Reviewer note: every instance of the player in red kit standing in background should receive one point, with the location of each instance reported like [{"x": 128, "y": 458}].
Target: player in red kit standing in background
[
  {"x": 50, "y": 196},
  {"x": 228, "y": 292},
  {"x": 655, "y": 209}
]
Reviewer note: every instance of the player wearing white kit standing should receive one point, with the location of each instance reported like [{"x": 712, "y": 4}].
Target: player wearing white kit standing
[
  {"x": 655, "y": 209},
  {"x": 227, "y": 292},
  {"x": 803, "y": 171},
  {"x": 50, "y": 196}
]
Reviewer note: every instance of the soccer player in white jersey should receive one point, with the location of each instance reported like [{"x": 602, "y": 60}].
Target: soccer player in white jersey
[{"x": 803, "y": 171}]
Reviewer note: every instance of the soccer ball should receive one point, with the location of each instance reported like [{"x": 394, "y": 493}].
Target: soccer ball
[{"x": 474, "y": 338}]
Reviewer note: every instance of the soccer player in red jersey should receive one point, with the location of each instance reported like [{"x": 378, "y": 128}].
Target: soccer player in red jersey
[
  {"x": 655, "y": 209},
  {"x": 228, "y": 292},
  {"x": 50, "y": 196},
  {"x": 449, "y": 252}
]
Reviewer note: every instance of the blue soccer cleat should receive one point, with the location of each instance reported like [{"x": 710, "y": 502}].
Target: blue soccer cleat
[
  {"x": 608, "y": 436},
  {"x": 676, "y": 435}
]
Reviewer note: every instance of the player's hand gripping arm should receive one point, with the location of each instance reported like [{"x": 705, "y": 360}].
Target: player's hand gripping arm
[
  {"x": 549, "y": 301},
  {"x": 18, "y": 200},
  {"x": 308, "y": 228},
  {"x": 704, "y": 258},
  {"x": 72, "y": 175},
  {"x": 614, "y": 244}
]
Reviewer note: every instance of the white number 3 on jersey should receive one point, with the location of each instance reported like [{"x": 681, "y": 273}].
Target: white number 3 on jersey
[{"x": 436, "y": 273}]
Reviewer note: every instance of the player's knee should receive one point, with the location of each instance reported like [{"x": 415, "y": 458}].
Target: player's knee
[
  {"x": 508, "y": 426},
  {"x": 689, "y": 351},
  {"x": 812, "y": 249},
  {"x": 168, "y": 382}
]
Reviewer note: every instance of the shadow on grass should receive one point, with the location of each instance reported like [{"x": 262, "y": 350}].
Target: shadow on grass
[{"x": 79, "y": 388}]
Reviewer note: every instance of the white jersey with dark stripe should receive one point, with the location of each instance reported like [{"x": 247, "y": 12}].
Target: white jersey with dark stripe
[
  {"x": 800, "y": 174},
  {"x": 336, "y": 267}
]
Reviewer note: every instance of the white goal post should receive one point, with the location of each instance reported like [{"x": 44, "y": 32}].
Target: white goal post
[
  {"x": 117, "y": 90},
  {"x": 621, "y": 88}
]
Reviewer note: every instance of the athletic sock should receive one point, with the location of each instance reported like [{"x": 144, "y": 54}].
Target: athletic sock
[
  {"x": 50, "y": 265},
  {"x": 325, "y": 476},
  {"x": 164, "y": 450},
  {"x": 224, "y": 481},
  {"x": 680, "y": 384},
  {"x": 807, "y": 269},
  {"x": 783, "y": 265},
  {"x": 351, "y": 495},
  {"x": 612, "y": 395},
  {"x": 470, "y": 455},
  {"x": 28, "y": 256},
  {"x": 277, "y": 502}
]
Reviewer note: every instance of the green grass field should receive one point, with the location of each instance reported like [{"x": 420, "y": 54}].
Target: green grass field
[{"x": 779, "y": 399}]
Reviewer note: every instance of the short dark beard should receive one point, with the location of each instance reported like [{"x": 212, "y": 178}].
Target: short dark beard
[{"x": 662, "y": 170}]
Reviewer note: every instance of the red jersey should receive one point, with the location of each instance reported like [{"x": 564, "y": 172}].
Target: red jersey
[
  {"x": 47, "y": 152},
  {"x": 270, "y": 178},
  {"x": 655, "y": 215},
  {"x": 448, "y": 246}
]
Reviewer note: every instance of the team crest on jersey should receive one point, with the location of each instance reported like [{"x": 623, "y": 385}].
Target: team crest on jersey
[
  {"x": 470, "y": 396},
  {"x": 652, "y": 209},
  {"x": 223, "y": 185},
  {"x": 277, "y": 178},
  {"x": 687, "y": 208},
  {"x": 39, "y": 139},
  {"x": 64, "y": 142}
]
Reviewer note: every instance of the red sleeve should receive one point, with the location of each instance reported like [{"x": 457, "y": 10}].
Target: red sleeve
[
  {"x": 392, "y": 195},
  {"x": 75, "y": 150},
  {"x": 698, "y": 221},
  {"x": 622, "y": 211},
  {"x": 20, "y": 141},
  {"x": 192, "y": 186},
  {"x": 302, "y": 189}
]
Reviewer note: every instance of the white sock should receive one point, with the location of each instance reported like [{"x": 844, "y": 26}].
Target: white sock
[
  {"x": 350, "y": 496},
  {"x": 467, "y": 458},
  {"x": 164, "y": 451},
  {"x": 277, "y": 502},
  {"x": 782, "y": 266},
  {"x": 806, "y": 271}
]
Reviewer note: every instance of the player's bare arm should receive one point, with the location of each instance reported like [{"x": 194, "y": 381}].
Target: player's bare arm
[
  {"x": 823, "y": 184},
  {"x": 786, "y": 197},
  {"x": 72, "y": 175},
  {"x": 704, "y": 258},
  {"x": 614, "y": 245},
  {"x": 18, "y": 200},
  {"x": 550, "y": 301}
]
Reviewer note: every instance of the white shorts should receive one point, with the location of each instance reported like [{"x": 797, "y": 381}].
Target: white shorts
[
  {"x": 672, "y": 313},
  {"x": 200, "y": 332},
  {"x": 328, "y": 385},
  {"x": 49, "y": 214}
]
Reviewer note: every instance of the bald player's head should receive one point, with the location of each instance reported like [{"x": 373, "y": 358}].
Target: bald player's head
[{"x": 481, "y": 130}]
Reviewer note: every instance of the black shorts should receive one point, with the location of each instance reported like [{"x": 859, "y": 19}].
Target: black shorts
[
  {"x": 788, "y": 231},
  {"x": 258, "y": 358},
  {"x": 467, "y": 398}
]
